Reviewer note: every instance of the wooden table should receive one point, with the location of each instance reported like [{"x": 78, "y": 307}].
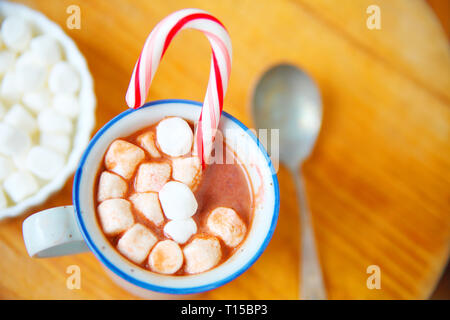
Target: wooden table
[{"x": 378, "y": 181}]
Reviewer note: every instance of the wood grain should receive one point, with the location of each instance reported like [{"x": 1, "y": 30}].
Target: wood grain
[{"x": 378, "y": 181}]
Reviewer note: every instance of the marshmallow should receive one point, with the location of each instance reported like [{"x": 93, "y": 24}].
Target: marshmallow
[
  {"x": 30, "y": 73},
  {"x": 55, "y": 141},
  {"x": 152, "y": 176},
  {"x": 180, "y": 230},
  {"x": 147, "y": 204},
  {"x": 226, "y": 224},
  {"x": 6, "y": 61},
  {"x": 166, "y": 257},
  {"x": 20, "y": 161},
  {"x": 123, "y": 157},
  {"x": 115, "y": 216},
  {"x": 16, "y": 33},
  {"x": 13, "y": 142},
  {"x": 3, "y": 200},
  {"x": 6, "y": 167},
  {"x": 66, "y": 104},
  {"x": 20, "y": 118},
  {"x": 174, "y": 136},
  {"x": 178, "y": 201},
  {"x": 20, "y": 185},
  {"x": 202, "y": 254},
  {"x": 63, "y": 78},
  {"x": 44, "y": 162},
  {"x": 9, "y": 89},
  {"x": 111, "y": 186},
  {"x": 136, "y": 243},
  {"x": 187, "y": 170},
  {"x": 51, "y": 121},
  {"x": 46, "y": 48},
  {"x": 37, "y": 100},
  {"x": 147, "y": 142}
]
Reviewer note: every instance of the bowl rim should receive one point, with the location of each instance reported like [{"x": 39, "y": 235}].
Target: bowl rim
[
  {"x": 158, "y": 288},
  {"x": 82, "y": 133}
]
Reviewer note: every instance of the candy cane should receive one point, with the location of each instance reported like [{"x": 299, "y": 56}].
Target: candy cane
[{"x": 154, "y": 48}]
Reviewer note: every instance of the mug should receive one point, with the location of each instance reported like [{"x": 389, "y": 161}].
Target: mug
[{"x": 74, "y": 229}]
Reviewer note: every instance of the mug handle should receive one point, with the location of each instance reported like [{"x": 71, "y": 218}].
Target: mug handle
[{"x": 53, "y": 232}]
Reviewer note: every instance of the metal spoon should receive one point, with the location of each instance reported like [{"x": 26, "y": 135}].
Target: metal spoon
[{"x": 286, "y": 98}]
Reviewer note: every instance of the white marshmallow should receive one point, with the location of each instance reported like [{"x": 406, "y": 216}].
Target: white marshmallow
[
  {"x": 20, "y": 185},
  {"x": 51, "y": 121},
  {"x": 44, "y": 162},
  {"x": 111, "y": 186},
  {"x": 46, "y": 48},
  {"x": 115, "y": 216},
  {"x": 3, "y": 200},
  {"x": 201, "y": 254},
  {"x": 30, "y": 73},
  {"x": 20, "y": 161},
  {"x": 226, "y": 224},
  {"x": 187, "y": 170},
  {"x": 6, "y": 61},
  {"x": 13, "y": 142},
  {"x": 63, "y": 78},
  {"x": 147, "y": 142},
  {"x": 25, "y": 59},
  {"x": 147, "y": 203},
  {"x": 174, "y": 136},
  {"x": 180, "y": 230},
  {"x": 136, "y": 243},
  {"x": 10, "y": 90},
  {"x": 152, "y": 176},
  {"x": 166, "y": 257},
  {"x": 21, "y": 119},
  {"x": 56, "y": 141},
  {"x": 37, "y": 100},
  {"x": 177, "y": 201},
  {"x": 6, "y": 167},
  {"x": 123, "y": 157},
  {"x": 66, "y": 104},
  {"x": 16, "y": 33}
]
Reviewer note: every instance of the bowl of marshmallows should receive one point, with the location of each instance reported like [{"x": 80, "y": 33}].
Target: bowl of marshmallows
[{"x": 47, "y": 108}]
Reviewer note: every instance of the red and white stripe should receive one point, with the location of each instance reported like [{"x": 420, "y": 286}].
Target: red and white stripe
[{"x": 153, "y": 51}]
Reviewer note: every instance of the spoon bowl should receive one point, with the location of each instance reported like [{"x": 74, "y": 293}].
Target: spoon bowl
[{"x": 286, "y": 98}]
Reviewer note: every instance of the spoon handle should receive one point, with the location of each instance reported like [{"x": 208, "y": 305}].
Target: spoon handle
[{"x": 312, "y": 286}]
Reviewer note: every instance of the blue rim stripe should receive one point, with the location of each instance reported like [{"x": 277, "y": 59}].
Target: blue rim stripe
[{"x": 145, "y": 285}]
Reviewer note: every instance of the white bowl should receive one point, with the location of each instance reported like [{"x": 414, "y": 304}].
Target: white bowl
[{"x": 86, "y": 119}]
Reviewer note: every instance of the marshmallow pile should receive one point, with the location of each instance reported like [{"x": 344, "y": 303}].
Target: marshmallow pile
[
  {"x": 38, "y": 107},
  {"x": 154, "y": 179}
]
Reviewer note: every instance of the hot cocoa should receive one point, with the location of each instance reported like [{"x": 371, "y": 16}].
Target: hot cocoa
[{"x": 162, "y": 211}]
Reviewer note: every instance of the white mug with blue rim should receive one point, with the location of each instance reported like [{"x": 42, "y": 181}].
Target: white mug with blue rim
[{"x": 74, "y": 229}]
